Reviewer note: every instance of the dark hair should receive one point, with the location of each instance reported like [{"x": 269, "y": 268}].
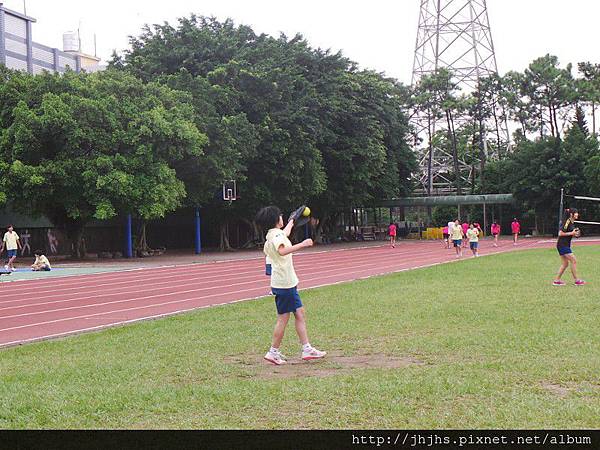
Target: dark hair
[
  {"x": 268, "y": 217},
  {"x": 10, "y": 225},
  {"x": 570, "y": 211},
  {"x": 38, "y": 253}
]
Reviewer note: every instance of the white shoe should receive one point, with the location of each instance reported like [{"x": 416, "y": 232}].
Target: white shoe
[
  {"x": 312, "y": 353},
  {"x": 275, "y": 358},
  {"x": 6, "y": 266},
  {"x": 13, "y": 269},
  {"x": 281, "y": 355}
]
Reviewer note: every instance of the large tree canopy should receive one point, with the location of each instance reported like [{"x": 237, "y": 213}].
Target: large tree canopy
[
  {"x": 80, "y": 147},
  {"x": 312, "y": 126}
]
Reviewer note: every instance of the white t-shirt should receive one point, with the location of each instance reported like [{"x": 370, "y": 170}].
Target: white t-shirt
[
  {"x": 11, "y": 240},
  {"x": 473, "y": 234},
  {"x": 451, "y": 226},
  {"x": 42, "y": 260},
  {"x": 456, "y": 234},
  {"x": 283, "y": 275}
]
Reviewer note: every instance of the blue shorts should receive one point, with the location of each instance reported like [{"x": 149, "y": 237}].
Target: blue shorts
[
  {"x": 474, "y": 245},
  {"x": 287, "y": 300},
  {"x": 562, "y": 251},
  {"x": 457, "y": 242},
  {"x": 11, "y": 253}
]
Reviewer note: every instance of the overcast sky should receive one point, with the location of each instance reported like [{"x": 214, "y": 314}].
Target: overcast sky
[{"x": 379, "y": 34}]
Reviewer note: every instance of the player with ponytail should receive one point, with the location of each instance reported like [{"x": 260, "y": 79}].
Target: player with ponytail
[{"x": 563, "y": 245}]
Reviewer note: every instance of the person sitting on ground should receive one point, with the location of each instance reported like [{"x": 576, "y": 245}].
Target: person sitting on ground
[{"x": 41, "y": 262}]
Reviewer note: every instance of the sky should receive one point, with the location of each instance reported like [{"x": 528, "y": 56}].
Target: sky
[{"x": 377, "y": 34}]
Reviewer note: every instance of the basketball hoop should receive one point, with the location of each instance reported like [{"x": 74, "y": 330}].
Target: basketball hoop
[{"x": 229, "y": 191}]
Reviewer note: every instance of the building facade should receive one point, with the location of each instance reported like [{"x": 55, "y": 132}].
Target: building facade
[{"x": 19, "y": 51}]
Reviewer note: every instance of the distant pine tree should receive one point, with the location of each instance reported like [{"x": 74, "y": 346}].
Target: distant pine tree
[{"x": 580, "y": 120}]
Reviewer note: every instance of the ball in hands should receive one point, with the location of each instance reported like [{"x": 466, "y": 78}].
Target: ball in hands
[{"x": 306, "y": 212}]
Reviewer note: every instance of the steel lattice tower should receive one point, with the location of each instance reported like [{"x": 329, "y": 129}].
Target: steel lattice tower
[{"x": 452, "y": 34}]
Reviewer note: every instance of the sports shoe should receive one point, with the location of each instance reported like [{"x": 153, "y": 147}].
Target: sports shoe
[
  {"x": 579, "y": 282},
  {"x": 275, "y": 358},
  {"x": 312, "y": 353},
  {"x": 558, "y": 283},
  {"x": 281, "y": 355},
  {"x": 6, "y": 266},
  {"x": 13, "y": 269}
]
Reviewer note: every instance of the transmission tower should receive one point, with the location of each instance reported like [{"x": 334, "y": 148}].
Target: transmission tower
[{"x": 455, "y": 35}]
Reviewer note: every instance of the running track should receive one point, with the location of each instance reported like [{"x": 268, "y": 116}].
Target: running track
[{"x": 43, "y": 309}]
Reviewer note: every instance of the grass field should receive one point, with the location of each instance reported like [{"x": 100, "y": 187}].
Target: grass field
[{"x": 484, "y": 343}]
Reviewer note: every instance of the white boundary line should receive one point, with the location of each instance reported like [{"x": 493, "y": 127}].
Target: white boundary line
[
  {"x": 172, "y": 313},
  {"x": 182, "y": 311}
]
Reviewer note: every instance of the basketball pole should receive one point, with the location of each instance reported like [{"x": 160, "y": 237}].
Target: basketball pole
[
  {"x": 198, "y": 235},
  {"x": 128, "y": 243}
]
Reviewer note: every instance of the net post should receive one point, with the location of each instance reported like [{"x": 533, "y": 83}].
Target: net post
[{"x": 560, "y": 210}]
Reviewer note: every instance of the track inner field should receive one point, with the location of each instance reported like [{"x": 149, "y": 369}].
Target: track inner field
[{"x": 42, "y": 309}]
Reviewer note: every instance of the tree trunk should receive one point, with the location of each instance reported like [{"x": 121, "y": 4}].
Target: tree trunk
[
  {"x": 497, "y": 124},
  {"x": 482, "y": 154},
  {"x": 224, "y": 244},
  {"x": 594, "y": 118},
  {"x": 452, "y": 138},
  {"x": 430, "y": 159},
  {"x": 554, "y": 118},
  {"x": 142, "y": 244},
  {"x": 255, "y": 237},
  {"x": 75, "y": 234}
]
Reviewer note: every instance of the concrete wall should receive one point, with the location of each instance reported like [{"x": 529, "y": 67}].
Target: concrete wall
[{"x": 18, "y": 51}]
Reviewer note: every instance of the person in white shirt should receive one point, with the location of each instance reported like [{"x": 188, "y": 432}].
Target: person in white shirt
[
  {"x": 41, "y": 262},
  {"x": 450, "y": 227},
  {"x": 12, "y": 244},
  {"x": 473, "y": 236},
  {"x": 284, "y": 283}
]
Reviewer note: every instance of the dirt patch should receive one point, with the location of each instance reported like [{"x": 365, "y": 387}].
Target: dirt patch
[
  {"x": 332, "y": 364},
  {"x": 557, "y": 389}
]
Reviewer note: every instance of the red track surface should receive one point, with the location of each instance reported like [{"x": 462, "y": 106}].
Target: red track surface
[{"x": 42, "y": 309}]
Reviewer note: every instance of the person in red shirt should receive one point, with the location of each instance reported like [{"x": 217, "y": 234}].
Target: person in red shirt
[
  {"x": 516, "y": 229},
  {"x": 495, "y": 229},
  {"x": 392, "y": 233},
  {"x": 465, "y": 228},
  {"x": 446, "y": 236}
]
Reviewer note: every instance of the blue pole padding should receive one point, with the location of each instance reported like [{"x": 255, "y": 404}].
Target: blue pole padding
[
  {"x": 198, "y": 236},
  {"x": 128, "y": 243}
]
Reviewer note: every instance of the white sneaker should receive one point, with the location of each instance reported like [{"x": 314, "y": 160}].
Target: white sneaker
[
  {"x": 13, "y": 269},
  {"x": 6, "y": 266},
  {"x": 275, "y": 358},
  {"x": 312, "y": 353},
  {"x": 281, "y": 355}
]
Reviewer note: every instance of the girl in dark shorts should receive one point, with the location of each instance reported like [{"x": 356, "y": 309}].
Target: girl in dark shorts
[{"x": 563, "y": 245}]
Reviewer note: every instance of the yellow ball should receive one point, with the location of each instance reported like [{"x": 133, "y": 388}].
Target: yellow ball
[{"x": 306, "y": 212}]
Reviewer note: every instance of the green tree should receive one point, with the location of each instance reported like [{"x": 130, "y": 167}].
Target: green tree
[
  {"x": 303, "y": 124},
  {"x": 83, "y": 147},
  {"x": 589, "y": 87},
  {"x": 551, "y": 90}
]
